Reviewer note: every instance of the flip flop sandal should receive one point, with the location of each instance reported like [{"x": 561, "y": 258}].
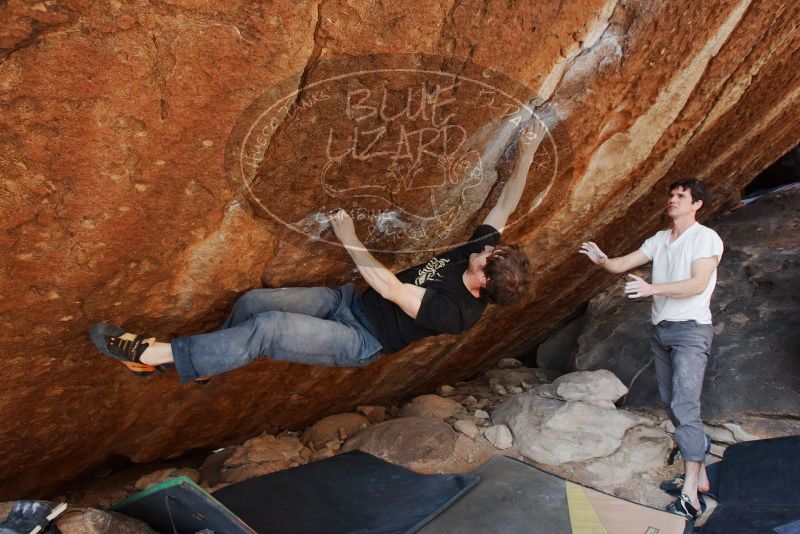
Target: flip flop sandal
[
  {"x": 124, "y": 346},
  {"x": 683, "y": 506}
]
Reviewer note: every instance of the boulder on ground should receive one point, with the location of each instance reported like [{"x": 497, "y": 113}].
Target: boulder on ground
[
  {"x": 263, "y": 455},
  {"x": 337, "y": 427},
  {"x": 548, "y": 391},
  {"x": 82, "y": 520},
  {"x": 512, "y": 377},
  {"x": 92, "y": 521},
  {"x": 481, "y": 414},
  {"x": 375, "y": 414},
  {"x": 213, "y": 465},
  {"x": 499, "y": 436},
  {"x": 331, "y": 448},
  {"x": 467, "y": 427},
  {"x": 554, "y": 432},
  {"x": 446, "y": 390},
  {"x": 413, "y": 442},
  {"x": 157, "y": 477},
  {"x": 728, "y": 433},
  {"x": 432, "y": 406},
  {"x": 590, "y": 386},
  {"x": 643, "y": 448}
]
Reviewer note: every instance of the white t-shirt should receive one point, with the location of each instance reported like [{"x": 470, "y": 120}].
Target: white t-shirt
[{"x": 672, "y": 262}]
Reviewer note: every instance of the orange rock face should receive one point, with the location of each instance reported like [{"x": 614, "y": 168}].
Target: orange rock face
[{"x": 158, "y": 159}]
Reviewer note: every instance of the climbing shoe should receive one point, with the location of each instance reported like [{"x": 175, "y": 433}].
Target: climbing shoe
[
  {"x": 683, "y": 506},
  {"x": 115, "y": 342}
]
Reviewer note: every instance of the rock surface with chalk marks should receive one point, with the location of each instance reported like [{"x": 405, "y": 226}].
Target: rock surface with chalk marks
[{"x": 159, "y": 159}]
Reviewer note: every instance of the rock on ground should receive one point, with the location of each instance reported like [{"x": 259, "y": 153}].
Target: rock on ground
[
  {"x": 643, "y": 449},
  {"x": 468, "y": 428},
  {"x": 446, "y": 390},
  {"x": 263, "y": 455},
  {"x": 499, "y": 436},
  {"x": 419, "y": 443},
  {"x": 81, "y": 520},
  {"x": 375, "y": 414},
  {"x": 429, "y": 445},
  {"x": 554, "y": 432},
  {"x": 590, "y": 442},
  {"x": 481, "y": 414},
  {"x": 589, "y": 386},
  {"x": 91, "y": 521},
  {"x": 337, "y": 427},
  {"x": 432, "y": 406},
  {"x": 160, "y": 476},
  {"x": 513, "y": 376}
]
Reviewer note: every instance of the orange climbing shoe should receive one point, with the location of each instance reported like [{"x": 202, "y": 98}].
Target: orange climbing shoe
[{"x": 115, "y": 342}]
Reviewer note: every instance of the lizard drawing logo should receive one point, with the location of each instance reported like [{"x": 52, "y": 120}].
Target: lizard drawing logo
[{"x": 430, "y": 271}]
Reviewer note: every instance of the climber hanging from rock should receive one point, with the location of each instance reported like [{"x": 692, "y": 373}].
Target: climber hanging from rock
[
  {"x": 685, "y": 259},
  {"x": 341, "y": 327}
]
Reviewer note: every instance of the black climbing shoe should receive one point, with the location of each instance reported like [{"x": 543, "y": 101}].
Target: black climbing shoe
[
  {"x": 115, "y": 342},
  {"x": 683, "y": 506}
]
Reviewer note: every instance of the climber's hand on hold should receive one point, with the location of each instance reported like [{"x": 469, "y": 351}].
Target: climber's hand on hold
[
  {"x": 531, "y": 138},
  {"x": 343, "y": 227}
]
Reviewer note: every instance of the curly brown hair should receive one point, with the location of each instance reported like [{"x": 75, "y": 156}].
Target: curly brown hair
[{"x": 509, "y": 275}]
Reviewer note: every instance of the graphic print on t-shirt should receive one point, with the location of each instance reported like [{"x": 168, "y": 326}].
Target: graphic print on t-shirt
[
  {"x": 447, "y": 304},
  {"x": 430, "y": 271}
]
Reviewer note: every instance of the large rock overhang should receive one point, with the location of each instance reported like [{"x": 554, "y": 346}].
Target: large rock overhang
[{"x": 118, "y": 134}]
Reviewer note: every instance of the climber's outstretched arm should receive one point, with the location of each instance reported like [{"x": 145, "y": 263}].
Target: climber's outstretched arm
[
  {"x": 529, "y": 143},
  {"x": 407, "y": 296}
]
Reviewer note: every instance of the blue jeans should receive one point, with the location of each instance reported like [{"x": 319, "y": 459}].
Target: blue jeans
[
  {"x": 309, "y": 325},
  {"x": 681, "y": 350}
]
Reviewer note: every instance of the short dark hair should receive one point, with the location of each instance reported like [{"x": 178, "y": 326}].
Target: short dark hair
[
  {"x": 509, "y": 272},
  {"x": 697, "y": 189}
]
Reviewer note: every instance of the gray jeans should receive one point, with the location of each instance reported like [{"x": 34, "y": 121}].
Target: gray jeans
[
  {"x": 681, "y": 351},
  {"x": 309, "y": 325}
]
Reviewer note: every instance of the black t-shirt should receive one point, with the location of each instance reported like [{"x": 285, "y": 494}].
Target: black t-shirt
[{"x": 447, "y": 305}]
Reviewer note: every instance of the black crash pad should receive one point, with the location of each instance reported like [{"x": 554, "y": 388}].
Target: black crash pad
[
  {"x": 351, "y": 492},
  {"x": 759, "y": 488}
]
